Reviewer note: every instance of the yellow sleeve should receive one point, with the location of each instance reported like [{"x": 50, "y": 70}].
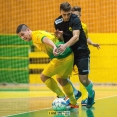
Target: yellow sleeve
[
  {"x": 86, "y": 32},
  {"x": 84, "y": 26}
]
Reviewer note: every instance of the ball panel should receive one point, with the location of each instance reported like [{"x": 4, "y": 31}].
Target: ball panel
[{"x": 59, "y": 104}]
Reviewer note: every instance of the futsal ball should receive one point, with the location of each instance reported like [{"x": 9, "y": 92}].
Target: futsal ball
[{"x": 59, "y": 104}]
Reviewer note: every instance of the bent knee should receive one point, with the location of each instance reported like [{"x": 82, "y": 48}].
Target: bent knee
[
  {"x": 84, "y": 82},
  {"x": 43, "y": 77}
]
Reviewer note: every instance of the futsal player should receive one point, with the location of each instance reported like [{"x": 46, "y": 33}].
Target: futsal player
[
  {"x": 61, "y": 64},
  {"x": 75, "y": 38},
  {"x": 77, "y": 11}
]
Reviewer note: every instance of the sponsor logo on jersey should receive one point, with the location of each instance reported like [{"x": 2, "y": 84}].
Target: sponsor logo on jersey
[
  {"x": 59, "y": 21},
  {"x": 70, "y": 28}
]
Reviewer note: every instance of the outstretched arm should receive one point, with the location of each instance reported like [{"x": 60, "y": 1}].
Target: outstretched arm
[{"x": 92, "y": 43}]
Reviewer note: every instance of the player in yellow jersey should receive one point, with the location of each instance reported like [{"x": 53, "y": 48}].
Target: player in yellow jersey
[
  {"x": 77, "y": 11},
  {"x": 61, "y": 64}
]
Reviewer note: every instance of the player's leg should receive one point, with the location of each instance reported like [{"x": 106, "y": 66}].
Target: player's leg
[
  {"x": 89, "y": 87},
  {"x": 62, "y": 78},
  {"x": 67, "y": 87},
  {"x": 82, "y": 88},
  {"x": 46, "y": 75},
  {"x": 76, "y": 92},
  {"x": 75, "y": 71},
  {"x": 74, "y": 89},
  {"x": 83, "y": 68},
  {"x": 84, "y": 94},
  {"x": 52, "y": 85}
]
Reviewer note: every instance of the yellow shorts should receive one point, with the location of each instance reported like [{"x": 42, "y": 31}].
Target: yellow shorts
[{"x": 60, "y": 67}]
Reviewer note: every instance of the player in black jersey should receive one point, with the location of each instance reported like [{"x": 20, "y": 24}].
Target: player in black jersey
[{"x": 68, "y": 27}]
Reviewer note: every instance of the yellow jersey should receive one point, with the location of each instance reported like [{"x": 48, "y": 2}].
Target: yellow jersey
[
  {"x": 37, "y": 38},
  {"x": 84, "y": 26}
]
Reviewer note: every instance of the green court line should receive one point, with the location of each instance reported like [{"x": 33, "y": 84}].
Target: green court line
[{"x": 105, "y": 107}]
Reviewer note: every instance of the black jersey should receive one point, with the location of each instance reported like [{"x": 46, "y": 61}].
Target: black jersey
[{"x": 67, "y": 27}]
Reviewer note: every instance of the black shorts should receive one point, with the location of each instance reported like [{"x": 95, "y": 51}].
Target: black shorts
[{"x": 82, "y": 64}]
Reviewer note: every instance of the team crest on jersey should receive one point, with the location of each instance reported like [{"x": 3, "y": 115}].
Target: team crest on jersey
[
  {"x": 70, "y": 28},
  {"x": 59, "y": 21}
]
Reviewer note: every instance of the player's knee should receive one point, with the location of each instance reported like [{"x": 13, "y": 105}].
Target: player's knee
[
  {"x": 43, "y": 77},
  {"x": 84, "y": 81},
  {"x": 59, "y": 81}
]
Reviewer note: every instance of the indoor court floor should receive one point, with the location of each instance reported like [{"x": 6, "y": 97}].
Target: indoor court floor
[{"x": 35, "y": 101}]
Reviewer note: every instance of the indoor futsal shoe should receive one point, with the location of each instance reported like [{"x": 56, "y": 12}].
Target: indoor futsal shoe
[
  {"x": 66, "y": 100},
  {"x": 90, "y": 101},
  {"x": 84, "y": 102},
  {"x": 77, "y": 96},
  {"x": 71, "y": 106}
]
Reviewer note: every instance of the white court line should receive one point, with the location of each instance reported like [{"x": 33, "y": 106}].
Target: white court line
[
  {"x": 51, "y": 107},
  {"x": 106, "y": 97},
  {"x": 27, "y": 112}
]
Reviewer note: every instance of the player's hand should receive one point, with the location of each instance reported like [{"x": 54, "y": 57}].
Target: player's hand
[
  {"x": 62, "y": 48},
  {"x": 58, "y": 33},
  {"x": 96, "y": 45},
  {"x": 55, "y": 51}
]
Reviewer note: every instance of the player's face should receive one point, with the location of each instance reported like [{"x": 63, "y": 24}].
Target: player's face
[
  {"x": 65, "y": 15},
  {"x": 25, "y": 35},
  {"x": 77, "y": 13}
]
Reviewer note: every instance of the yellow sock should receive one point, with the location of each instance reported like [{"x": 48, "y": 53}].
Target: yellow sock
[
  {"x": 69, "y": 92},
  {"x": 52, "y": 85},
  {"x": 83, "y": 91}
]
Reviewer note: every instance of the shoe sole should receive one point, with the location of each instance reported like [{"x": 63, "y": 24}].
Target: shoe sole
[
  {"x": 70, "y": 107},
  {"x": 83, "y": 104},
  {"x": 89, "y": 106}
]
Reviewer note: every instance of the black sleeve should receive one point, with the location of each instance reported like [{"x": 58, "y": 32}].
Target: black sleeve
[
  {"x": 76, "y": 24},
  {"x": 55, "y": 26}
]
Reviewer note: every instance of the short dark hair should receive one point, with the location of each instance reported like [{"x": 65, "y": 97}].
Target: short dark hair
[
  {"x": 65, "y": 6},
  {"x": 21, "y": 27},
  {"x": 76, "y": 8}
]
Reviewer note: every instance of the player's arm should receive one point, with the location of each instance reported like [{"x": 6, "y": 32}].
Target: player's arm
[
  {"x": 93, "y": 44},
  {"x": 59, "y": 35},
  {"x": 74, "y": 39},
  {"x": 76, "y": 32},
  {"x": 86, "y": 34},
  {"x": 89, "y": 41},
  {"x": 49, "y": 42},
  {"x": 71, "y": 42}
]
